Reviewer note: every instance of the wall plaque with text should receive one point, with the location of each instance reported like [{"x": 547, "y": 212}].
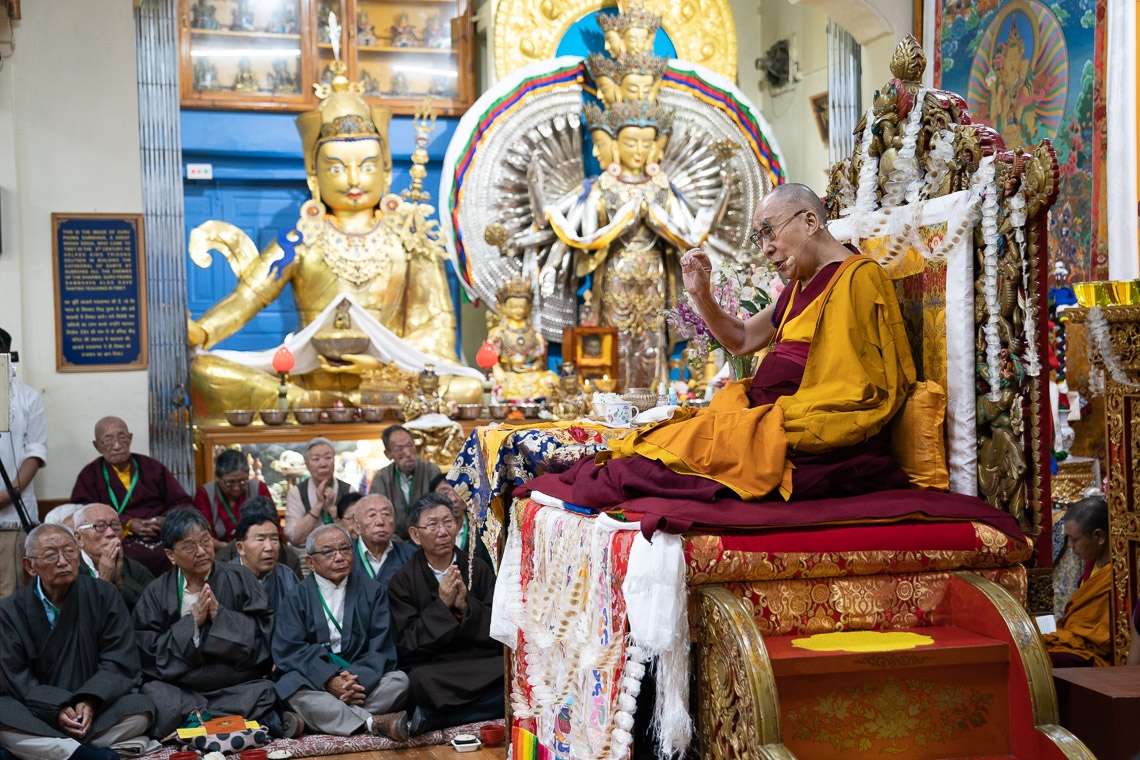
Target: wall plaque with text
[{"x": 99, "y": 267}]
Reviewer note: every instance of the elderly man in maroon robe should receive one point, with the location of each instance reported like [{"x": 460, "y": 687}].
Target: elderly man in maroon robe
[
  {"x": 443, "y": 626},
  {"x": 68, "y": 660},
  {"x": 204, "y": 634},
  {"x": 140, "y": 489}
]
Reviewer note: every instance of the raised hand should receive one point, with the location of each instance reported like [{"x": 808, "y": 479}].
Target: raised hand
[{"x": 696, "y": 272}]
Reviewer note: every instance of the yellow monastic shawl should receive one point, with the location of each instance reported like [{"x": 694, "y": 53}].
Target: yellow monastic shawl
[
  {"x": 1084, "y": 629},
  {"x": 858, "y": 373}
]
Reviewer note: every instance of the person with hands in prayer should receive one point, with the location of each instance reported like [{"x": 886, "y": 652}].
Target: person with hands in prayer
[{"x": 313, "y": 501}]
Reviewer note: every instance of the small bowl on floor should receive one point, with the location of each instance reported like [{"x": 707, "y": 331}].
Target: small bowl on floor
[{"x": 466, "y": 743}]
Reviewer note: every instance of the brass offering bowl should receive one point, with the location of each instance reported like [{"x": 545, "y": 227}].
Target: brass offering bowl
[
  {"x": 374, "y": 413},
  {"x": 336, "y": 344},
  {"x": 529, "y": 411},
  {"x": 273, "y": 416},
  {"x": 468, "y": 411},
  {"x": 498, "y": 411},
  {"x": 239, "y": 417},
  {"x": 307, "y": 416},
  {"x": 342, "y": 414}
]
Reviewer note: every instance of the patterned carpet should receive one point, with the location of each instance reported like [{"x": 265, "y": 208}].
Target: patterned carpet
[{"x": 315, "y": 745}]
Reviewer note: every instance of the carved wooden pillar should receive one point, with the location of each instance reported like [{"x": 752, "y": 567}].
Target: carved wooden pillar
[{"x": 1122, "y": 434}]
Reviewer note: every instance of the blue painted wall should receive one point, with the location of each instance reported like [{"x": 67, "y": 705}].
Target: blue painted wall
[{"x": 259, "y": 186}]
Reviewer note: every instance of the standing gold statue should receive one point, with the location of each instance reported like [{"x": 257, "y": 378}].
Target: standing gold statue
[{"x": 353, "y": 238}]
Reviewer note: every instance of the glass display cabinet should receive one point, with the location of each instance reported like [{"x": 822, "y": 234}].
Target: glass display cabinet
[{"x": 267, "y": 54}]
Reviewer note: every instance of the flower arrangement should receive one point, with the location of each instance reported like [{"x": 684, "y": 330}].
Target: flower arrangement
[{"x": 743, "y": 293}]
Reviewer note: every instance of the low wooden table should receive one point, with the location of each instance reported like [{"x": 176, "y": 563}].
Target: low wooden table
[{"x": 1100, "y": 706}]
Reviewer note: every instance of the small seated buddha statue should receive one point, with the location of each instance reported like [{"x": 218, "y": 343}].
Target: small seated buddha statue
[
  {"x": 521, "y": 371},
  {"x": 568, "y": 402},
  {"x": 424, "y": 397}
]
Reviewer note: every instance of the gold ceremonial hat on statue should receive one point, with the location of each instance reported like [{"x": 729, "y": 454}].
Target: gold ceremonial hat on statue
[{"x": 342, "y": 114}]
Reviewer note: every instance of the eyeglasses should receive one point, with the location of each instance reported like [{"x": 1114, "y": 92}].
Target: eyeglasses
[
  {"x": 344, "y": 550},
  {"x": 233, "y": 482},
  {"x": 111, "y": 440},
  {"x": 52, "y": 557},
  {"x": 192, "y": 547},
  {"x": 435, "y": 525},
  {"x": 102, "y": 526},
  {"x": 766, "y": 233}
]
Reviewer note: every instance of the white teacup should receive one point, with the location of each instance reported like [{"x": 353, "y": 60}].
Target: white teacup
[{"x": 620, "y": 413}]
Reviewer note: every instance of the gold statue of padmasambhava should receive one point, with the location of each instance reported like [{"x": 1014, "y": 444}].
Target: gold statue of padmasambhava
[{"x": 352, "y": 238}]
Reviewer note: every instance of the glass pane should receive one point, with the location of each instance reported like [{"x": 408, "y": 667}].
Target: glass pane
[{"x": 246, "y": 47}]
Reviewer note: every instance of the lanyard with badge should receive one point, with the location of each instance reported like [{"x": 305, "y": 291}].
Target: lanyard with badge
[{"x": 111, "y": 493}]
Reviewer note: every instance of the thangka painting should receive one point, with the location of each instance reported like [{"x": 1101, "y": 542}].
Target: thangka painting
[{"x": 1031, "y": 70}]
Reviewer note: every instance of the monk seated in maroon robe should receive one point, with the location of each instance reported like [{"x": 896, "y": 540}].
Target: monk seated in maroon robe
[
  {"x": 441, "y": 615},
  {"x": 140, "y": 489},
  {"x": 812, "y": 422}
]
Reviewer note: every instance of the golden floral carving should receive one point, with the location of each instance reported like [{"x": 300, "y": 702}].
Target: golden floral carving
[
  {"x": 739, "y": 712},
  {"x": 878, "y": 602},
  {"x": 525, "y": 31},
  {"x": 708, "y": 562}
]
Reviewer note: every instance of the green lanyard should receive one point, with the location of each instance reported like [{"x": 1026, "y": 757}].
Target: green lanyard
[
  {"x": 328, "y": 612},
  {"x": 363, "y": 561},
  {"x": 111, "y": 493},
  {"x": 222, "y": 499},
  {"x": 181, "y": 586}
]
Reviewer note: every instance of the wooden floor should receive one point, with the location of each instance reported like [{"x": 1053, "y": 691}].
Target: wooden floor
[{"x": 444, "y": 752}]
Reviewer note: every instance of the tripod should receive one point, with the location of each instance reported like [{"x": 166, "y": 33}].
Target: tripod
[{"x": 21, "y": 511}]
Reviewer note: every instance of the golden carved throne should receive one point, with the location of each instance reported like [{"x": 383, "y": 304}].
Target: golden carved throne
[{"x": 971, "y": 283}]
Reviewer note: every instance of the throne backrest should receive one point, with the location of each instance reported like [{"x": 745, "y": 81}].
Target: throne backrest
[{"x": 960, "y": 223}]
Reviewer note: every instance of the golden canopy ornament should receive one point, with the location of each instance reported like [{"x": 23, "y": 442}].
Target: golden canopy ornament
[{"x": 527, "y": 31}]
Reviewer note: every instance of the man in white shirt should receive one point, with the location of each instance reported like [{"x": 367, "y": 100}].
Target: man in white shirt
[
  {"x": 333, "y": 646},
  {"x": 23, "y": 450},
  {"x": 379, "y": 554}
]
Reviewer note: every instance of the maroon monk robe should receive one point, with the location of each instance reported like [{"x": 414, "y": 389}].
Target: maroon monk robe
[
  {"x": 848, "y": 471},
  {"x": 156, "y": 493}
]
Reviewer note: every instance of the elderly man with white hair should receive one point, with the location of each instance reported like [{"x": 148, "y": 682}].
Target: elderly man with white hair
[
  {"x": 333, "y": 645},
  {"x": 100, "y": 537},
  {"x": 69, "y": 661}
]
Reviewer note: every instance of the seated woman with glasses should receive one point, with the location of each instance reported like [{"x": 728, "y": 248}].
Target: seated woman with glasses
[
  {"x": 441, "y": 613},
  {"x": 812, "y": 422},
  {"x": 220, "y": 501},
  {"x": 204, "y": 633}
]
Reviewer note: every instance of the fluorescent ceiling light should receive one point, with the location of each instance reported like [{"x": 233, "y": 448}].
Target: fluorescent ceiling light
[{"x": 246, "y": 53}]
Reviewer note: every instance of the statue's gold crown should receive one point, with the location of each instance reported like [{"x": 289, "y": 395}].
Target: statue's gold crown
[
  {"x": 633, "y": 14},
  {"x": 595, "y": 118},
  {"x": 617, "y": 69},
  {"x": 516, "y": 287},
  {"x": 342, "y": 115},
  {"x": 641, "y": 114}
]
